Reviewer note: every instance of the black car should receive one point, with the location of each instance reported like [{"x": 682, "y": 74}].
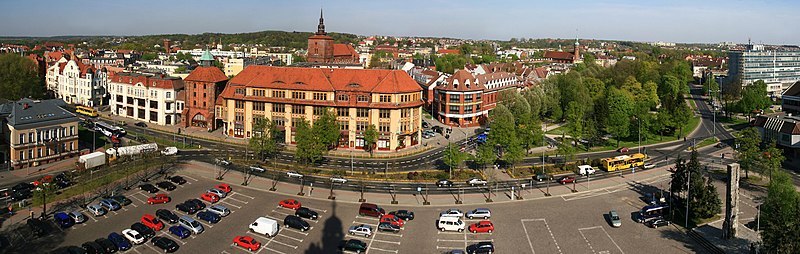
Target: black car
[
  {"x": 93, "y": 248},
  {"x": 481, "y": 247},
  {"x": 62, "y": 181},
  {"x": 167, "y": 215},
  {"x": 146, "y": 231},
  {"x": 177, "y": 179},
  {"x": 198, "y": 205},
  {"x": 166, "y": 185},
  {"x": 39, "y": 227},
  {"x": 108, "y": 245},
  {"x": 141, "y": 124},
  {"x": 387, "y": 226},
  {"x": 166, "y": 244},
  {"x": 122, "y": 200},
  {"x": 186, "y": 207},
  {"x": 23, "y": 187},
  {"x": 306, "y": 213},
  {"x": 657, "y": 223},
  {"x": 148, "y": 188},
  {"x": 353, "y": 245},
  {"x": 296, "y": 223},
  {"x": 442, "y": 183},
  {"x": 210, "y": 217},
  {"x": 70, "y": 250},
  {"x": 403, "y": 214},
  {"x": 21, "y": 195},
  {"x": 438, "y": 129}
]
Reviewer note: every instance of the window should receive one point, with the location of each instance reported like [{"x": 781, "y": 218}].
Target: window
[
  {"x": 21, "y": 155},
  {"x": 384, "y": 113},
  {"x": 239, "y": 117},
  {"x": 169, "y": 95},
  {"x": 30, "y": 137},
  {"x": 130, "y": 100},
  {"x": 477, "y": 107},
  {"x": 320, "y": 96},
  {"x": 468, "y": 98},
  {"x": 278, "y": 107},
  {"x": 385, "y": 98},
  {"x": 478, "y": 97},
  {"x": 153, "y": 104},
  {"x": 72, "y": 130},
  {"x": 279, "y": 94},
  {"x": 168, "y": 106},
  {"x": 239, "y": 91},
  {"x": 406, "y": 112},
  {"x": 296, "y": 121},
  {"x": 279, "y": 121},
  {"x": 468, "y": 109},
  {"x": 298, "y": 109},
  {"x": 363, "y": 98},
  {"x": 405, "y": 98},
  {"x": 22, "y": 138},
  {"x": 454, "y": 109},
  {"x": 384, "y": 127},
  {"x": 153, "y": 116},
  {"x": 361, "y": 126},
  {"x": 362, "y": 112},
  {"x": 318, "y": 111},
  {"x": 259, "y": 92},
  {"x": 240, "y": 104},
  {"x": 344, "y": 97},
  {"x": 344, "y": 125},
  {"x": 258, "y": 106},
  {"x": 455, "y": 97},
  {"x": 299, "y": 95},
  {"x": 342, "y": 111}
]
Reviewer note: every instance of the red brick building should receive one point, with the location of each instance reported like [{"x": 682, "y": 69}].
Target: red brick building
[
  {"x": 322, "y": 49},
  {"x": 202, "y": 87},
  {"x": 465, "y": 99}
]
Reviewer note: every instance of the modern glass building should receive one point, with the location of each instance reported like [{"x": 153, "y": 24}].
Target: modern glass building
[{"x": 778, "y": 69}]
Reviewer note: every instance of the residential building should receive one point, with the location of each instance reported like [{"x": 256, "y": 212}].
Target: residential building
[
  {"x": 784, "y": 129},
  {"x": 147, "y": 98},
  {"x": 38, "y": 132},
  {"x": 322, "y": 49},
  {"x": 202, "y": 87},
  {"x": 76, "y": 82},
  {"x": 790, "y": 100},
  {"x": 235, "y": 65},
  {"x": 388, "y": 99},
  {"x": 465, "y": 100},
  {"x": 779, "y": 69}
]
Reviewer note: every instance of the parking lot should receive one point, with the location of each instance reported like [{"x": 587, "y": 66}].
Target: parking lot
[{"x": 574, "y": 224}]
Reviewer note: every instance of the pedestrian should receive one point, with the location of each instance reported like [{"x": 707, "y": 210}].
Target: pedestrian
[{"x": 31, "y": 213}]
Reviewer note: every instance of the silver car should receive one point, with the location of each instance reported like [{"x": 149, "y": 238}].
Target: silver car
[
  {"x": 219, "y": 210},
  {"x": 218, "y": 192},
  {"x": 97, "y": 209},
  {"x": 294, "y": 174},
  {"x": 77, "y": 216},
  {"x": 338, "y": 179},
  {"x": 483, "y": 213},
  {"x": 614, "y": 218},
  {"x": 452, "y": 213}
]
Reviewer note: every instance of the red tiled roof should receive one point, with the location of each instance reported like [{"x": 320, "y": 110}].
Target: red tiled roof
[
  {"x": 462, "y": 76},
  {"x": 448, "y": 51},
  {"x": 207, "y": 74},
  {"x": 343, "y": 50},
  {"x": 163, "y": 82},
  {"x": 558, "y": 55},
  {"x": 54, "y": 56}
]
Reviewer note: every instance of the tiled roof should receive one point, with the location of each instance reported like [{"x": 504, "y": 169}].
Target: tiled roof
[
  {"x": 794, "y": 90},
  {"x": 163, "y": 82},
  {"x": 343, "y": 50},
  {"x": 461, "y": 76},
  {"x": 448, "y": 51},
  {"x": 558, "y": 55},
  {"x": 207, "y": 74}
]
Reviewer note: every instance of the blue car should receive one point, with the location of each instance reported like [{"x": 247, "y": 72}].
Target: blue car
[
  {"x": 63, "y": 220},
  {"x": 120, "y": 241},
  {"x": 110, "y": 204},
  {"x": 209, "y": 216},
  {"x": 180, "y": 231}
]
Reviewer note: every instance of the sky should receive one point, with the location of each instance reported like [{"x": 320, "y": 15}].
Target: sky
[{"x": 709, "y": 21}]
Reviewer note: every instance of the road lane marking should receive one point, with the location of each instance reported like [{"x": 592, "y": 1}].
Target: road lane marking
[
  {"x": 137, "y": 199},
  {"x": 227, "y": 203},
  {"x": 240, "y": 194},
  {"x": 190, "y": 178},
  {"x": 234, "y": 199}
]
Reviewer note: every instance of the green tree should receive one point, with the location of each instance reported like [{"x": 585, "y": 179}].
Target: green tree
[
  {"x": 309, "y": 147},
  {"x": 748, "y": 150},
  {"x": 649, "y": 95},
  {"x": 149, "y": 56},
  {"x": 575, "y": 121},
  {"x": 704, "y": 201},
  {"x": 513, "y": 154},
  {"x": 19, "y": 78},
  {"x": 503, "y": 128},
  {"x": 370, "y": 137},
  {"x": 781, "y": 233},
  {"x": 620, "y": 107},
  {"x": 754, "y": 97},
  {"x": 452, "y": 156},
  {"x": 769, "y": 161},
  {"x": 485, "y": 154},
  {"x": 263, "y": 140},
  {"x": 326, "y": 129}
]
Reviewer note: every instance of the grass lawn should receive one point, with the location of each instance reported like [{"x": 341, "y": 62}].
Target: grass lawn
[
  {"x": 85, "y": 137},
  {"x": 558, "y": 131},
  {"x": 732, "y": 120},
  {"x": 612, "y": 142}
]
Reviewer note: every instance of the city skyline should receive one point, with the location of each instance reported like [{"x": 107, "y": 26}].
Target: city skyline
[{"x": 679, "y": 21}]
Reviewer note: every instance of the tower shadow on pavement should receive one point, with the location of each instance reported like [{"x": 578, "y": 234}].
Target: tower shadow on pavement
[{"x": 332, "y": 234}]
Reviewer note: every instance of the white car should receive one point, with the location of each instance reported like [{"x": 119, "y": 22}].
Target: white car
[
  {"x": 452, "y": 213},
  {"x": 218, "y": 192},
  {"x": 133, "y": 236},
  {"x": 649, "y": 166},
  {"x": 219, "y": 210},
  {"x": 338, "y": 179},
  {"x": 223, "y": 162},
  {"x": 170, "y": 151},
  {"x": 294, "y": 174},
  {"x": 363, "y": 230},
  {"x": 476, "y": 181},
  {"x": 257, "y": 168}
]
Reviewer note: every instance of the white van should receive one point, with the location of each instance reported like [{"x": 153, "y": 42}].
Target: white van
[
  {"x": 450, "y": 224},
  {"x": 585, "y": 169},
  {"x": 265, "y": 226},
  {"x": 190, "y": 224}
]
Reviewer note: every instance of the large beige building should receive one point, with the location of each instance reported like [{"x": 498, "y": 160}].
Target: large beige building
[
  {"x": 388, "y": 99},
  {"x": 38, "y": 132}
]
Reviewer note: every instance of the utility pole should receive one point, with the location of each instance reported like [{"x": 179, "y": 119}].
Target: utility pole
[{"x": 688, "y": 186}]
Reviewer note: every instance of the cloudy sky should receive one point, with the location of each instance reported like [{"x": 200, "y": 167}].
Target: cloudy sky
[{"x": 766, "y": 21}]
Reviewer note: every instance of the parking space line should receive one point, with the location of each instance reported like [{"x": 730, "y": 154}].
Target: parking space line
[
  {"x": 285, "y": 244},
  {"x": 295, "y": 231},
  {"x": 548, "y": 230},
  {"x": 281, "y": 213},
  {"x": 205, "y": 224},
  {"x": 292, "y": 238},
  {"x": 136, "y": 250},
  {"x": 580, "y": 230},
  {"x": 461, "y": 240},
  {"x": 227, "y": 203},
  {"x": 240, "y": 201},
  {"x": 92, "y": 217},
  {"x": 317, "y": 209},
  {"x": 137, "y": 199},
  {"x": 393, "y": 234},
  {"x": 151, "y": 247},
  {"x": 240, "y": 194},
  {"x": 373, "y": 248},
  {"x": 190, "y": 178}
]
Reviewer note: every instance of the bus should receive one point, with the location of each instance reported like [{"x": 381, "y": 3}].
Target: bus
[
  {"x": 109, "y": 130},
  {"x": 652, "y": 212},
  {"x": 623, "y": 162},
  {"x": 87, "y": 111}
]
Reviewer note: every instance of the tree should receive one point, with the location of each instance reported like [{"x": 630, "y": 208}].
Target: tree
[
  {"x": 575, "y": 118},
  {"x": 485, "y": 155},
  {"x": 704, "y": 201},
  {"x": 754, "y": 97},
  {"x": 513, "y": 154},
  {"x": 769, "y": 161},
  {"x": 620, "y": 107},
  {"x": 263, "y": 140},
  {"x": 452, "y": 156},
  {"x": 19, "y": 78},
  {"x": 748, "y": 149},
  {"x": 779, "y": 214},
  {"x": 309, "y": 148},
  {"x": 327, "y": 129},
  {"x": 149, "y": 56},
  {"x": 503, "y": 129},
  {"x": 649, "y": 94},
  {"x": 370, "y": 137}
]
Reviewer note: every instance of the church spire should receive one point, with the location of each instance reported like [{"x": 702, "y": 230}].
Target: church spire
[{"x": 321, "y": 26}]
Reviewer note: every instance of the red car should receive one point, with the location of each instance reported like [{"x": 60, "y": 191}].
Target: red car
[
  {"x": 289, "y": 203},
  {"x": 247, "y": 243},
  {"x": 152, "y": 222},
  {"x": 210, "y": 197},
  {"x": 566, "y": 179},
  {"x": 483, "y": 226},
  {"x": 391, "y": 218},
  {"x": 224, "y": 187},
  {"x": 159, "y": 199}
]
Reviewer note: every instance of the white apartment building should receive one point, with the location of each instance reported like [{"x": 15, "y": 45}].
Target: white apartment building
[
  {"x": 147, "y": 98},
  {"x": 76, "y": 82},
  {"x": 778, "y": 69}
]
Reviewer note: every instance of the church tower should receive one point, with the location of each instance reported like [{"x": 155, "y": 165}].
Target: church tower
[
  {"x": 576, "y": 56},
  {"x": 320, "y": 45}
]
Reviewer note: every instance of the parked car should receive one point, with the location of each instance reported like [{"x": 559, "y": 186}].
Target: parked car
[
  {"x": 483, "y": 213},
  {"x": 481, "y": 247},
  {"x": 177, "y": 180},
  {"x": 133, "y": 236},
  {"x": 146, "y": 231},
  {"x": 186, "y": 207},
  {"x": 296, "y": 223},
  {"x": 222, "y": 161},
  {"x": 122, "y": 200},
  {"x": 542, "y": 177},
  {"x": 623, "y": 149},
  {"x": 425, "y": 124},
  {"x": 152, "y": 222},
  {"x": 438, "y": 129},
  {"x": 289, "y": 203},
  {"x": 220, "y": 210},
  {"x": 446, "y": 223},
  {"x": 97, "y": 209},
  {"x": 246, "y": 242},
  {"x": 394, "y": 220},
  {"x": 198, "y": 205},
  {"x": 167, "y": 215},
  {"x": 210, "y": 217},
  {"x": 165, "y": 244},
  {"x": 355, "y": 245},
  {"x": 257, "y": 168},
  {"x": 221, "y": 194},
  {"x": 307, "y": 213},
  {"x": 649, "y": 165},
  {"x": 483, "y": 226},
  {"x": 93, "y": 247},
  {"x": 388, "y": 227},
  {"x": 294, "y": 174},
  {"x": 614, "y": 218},
  {"x": 660, "y": 222},
  {"x": 77, "y": 216},
  {"x": 110, "y": 204},
  {"x": 141, "y": 124},
  {"x": 442, "y": 183},
  {"x": 107, "y": 245},
  {"x": 224, "y": 187},
  {"x": 148, "y": 188},
  {"x": 403, "y": 214},
  {"x": 476, "y": 182},
  {"x": 63, "y": 220},
  {"x": 566, "y": 180},
  {"x": 159, "y": 199},
  {"x": 180, "y": 231},
  {"x": 120, "y": 241},
  {"x": 166, "y": 185},
  {"x": 338, "y": 179},
  {"x": 210, "y": 197},
  {"x": 362, "y": 230},
  {"x": 451, "y": 213},
  {"x": 191, "y": 224}
]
